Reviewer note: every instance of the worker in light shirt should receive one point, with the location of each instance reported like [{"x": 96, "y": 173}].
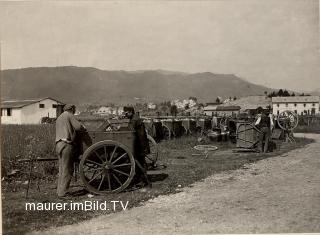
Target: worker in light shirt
[
  {"x": 265, "y": 124},
  {"x": 67, "y": 129}
]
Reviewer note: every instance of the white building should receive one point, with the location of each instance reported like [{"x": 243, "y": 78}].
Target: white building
[
  {"x": 210, "y": 109},
  {"x": 104, "y": 110},
  {"x": 29, "y": 111},
  {"x": 107, "y": 110},
  {"x": 227, "y": 111},
  {"x": 182, "y": 104},
  {"x": 302, "y": 105},
  {"x": 152, "y": 106}
]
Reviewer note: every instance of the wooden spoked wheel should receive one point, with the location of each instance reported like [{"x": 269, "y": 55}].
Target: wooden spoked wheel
[
  {"x": 107, "y": 167},
  {"x": 154, "y": 151},
  {"x": 288, "y": 120}
]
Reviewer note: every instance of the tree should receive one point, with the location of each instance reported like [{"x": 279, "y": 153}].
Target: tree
[
  {"x": 193, "y": 98},
  {"x": 286, "y": 93},
  {"x": 174, "y": 110},
  {"x": 234, "y": 98},
  {"x": 218, "y": 100},
  {"x": 186, "y": 106},
  {"x": 265, "y": 93},
  {"x": 293, "y": 94},
  {"x": 280, "y": 92}
]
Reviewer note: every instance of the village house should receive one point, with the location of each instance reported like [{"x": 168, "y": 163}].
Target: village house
[
  {"x": 228, "y": 111},
  {"x": 182, "y": 104},
  {"x": 152, "y": 106},
  {"x": 210, "y": 109},
  {"x": 249, "y": 104},
  {"x": 108, "y": 110},
  {"x": 30, "y": 111},
  {"x": 302, "y": 105}
]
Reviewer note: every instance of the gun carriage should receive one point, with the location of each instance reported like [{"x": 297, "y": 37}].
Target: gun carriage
[
  {"x": 109, "y": 162},
  {"x": 247, "y": 134}
]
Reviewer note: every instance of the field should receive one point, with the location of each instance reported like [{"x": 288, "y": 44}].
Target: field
[{"x": 179, "y": 167}]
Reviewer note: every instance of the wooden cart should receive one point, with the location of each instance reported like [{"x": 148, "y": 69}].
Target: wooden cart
[{"x": 108, "y": 164}]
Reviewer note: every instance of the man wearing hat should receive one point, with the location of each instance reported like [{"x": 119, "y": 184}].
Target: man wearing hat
[
  {"x": 67, "y": 128},
  {"x": 265, "y": 125}
]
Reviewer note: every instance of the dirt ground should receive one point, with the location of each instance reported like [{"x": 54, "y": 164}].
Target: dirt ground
[{"x": 278, "y": 194}]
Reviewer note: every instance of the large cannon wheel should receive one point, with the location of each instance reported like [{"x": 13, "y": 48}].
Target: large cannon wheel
[
  {"x": 107, "y": 167},
  {"x": 154, "y": 152},
  {"x": 287, "y": 120}
]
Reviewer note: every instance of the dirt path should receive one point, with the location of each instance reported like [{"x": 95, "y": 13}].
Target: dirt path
[{"x": 280, "y": 194}]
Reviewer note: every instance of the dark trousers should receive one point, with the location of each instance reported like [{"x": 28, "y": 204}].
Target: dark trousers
[
  {"x": 65, "y": 153},
  {"x": 264, "y": 138}
]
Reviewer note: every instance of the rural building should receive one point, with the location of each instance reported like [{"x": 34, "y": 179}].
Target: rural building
[
  {"x": 302, "y": 105},
  {"x": 29, "y": 111},
  {"x": 228, "y": 111},
  {"x": 210, "y": 109},
  {"x": 182, "y": 104},
  {"x": 152, "y": 106},
  {"x": 249, "y": 104},
  {"x": 108, "y": 110}
]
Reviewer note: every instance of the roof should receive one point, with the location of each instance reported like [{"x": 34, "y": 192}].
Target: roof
[
  {"x": 296, "y": 99},
  {"x": 228, "y": 108},
  {"x": 22, "y": 103},
  {"x": 250, "y": 102},
  {"x": 212, "y": 103}
]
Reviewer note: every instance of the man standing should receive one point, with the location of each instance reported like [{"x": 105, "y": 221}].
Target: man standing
[
  {"x": 141, "y": 145},
  {"x": 67, "y": 128},
  {"x": 265, "y": 125}
]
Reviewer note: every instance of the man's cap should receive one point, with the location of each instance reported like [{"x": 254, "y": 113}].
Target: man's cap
[
  {"x": 68, "y": 107},
  {"x": 259, "y": 109}
]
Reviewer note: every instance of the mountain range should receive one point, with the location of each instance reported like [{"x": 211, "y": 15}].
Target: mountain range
[{"x": 86, "y": 85}]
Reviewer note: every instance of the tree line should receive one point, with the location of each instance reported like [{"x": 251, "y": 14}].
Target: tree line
[{"x": 283, "y": 93}]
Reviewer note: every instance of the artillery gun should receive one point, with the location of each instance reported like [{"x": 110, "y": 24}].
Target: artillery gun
[{"x": 288, "y": 121}]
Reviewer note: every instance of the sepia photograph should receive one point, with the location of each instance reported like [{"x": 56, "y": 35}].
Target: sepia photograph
[{"x": 160, "y": 117}]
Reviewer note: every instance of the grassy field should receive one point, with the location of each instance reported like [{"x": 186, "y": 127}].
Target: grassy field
[
  {"x": 25, "y": 142},
  {"x": 181, "y": 167}
]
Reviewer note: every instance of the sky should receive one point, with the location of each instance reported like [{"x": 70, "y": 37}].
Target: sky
[{"x": 273, "y": 43}]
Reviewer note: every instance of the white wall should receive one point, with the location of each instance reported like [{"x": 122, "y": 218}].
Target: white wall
[
  {"x": 299, "y": 108},
  {"x": 15, "y": 117},
  {"x": 227, "y": 113},
  {"x": 32, "y": 114}
]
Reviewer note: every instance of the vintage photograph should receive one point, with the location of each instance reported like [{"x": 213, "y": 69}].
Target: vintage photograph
[{"x": 160, "y": 117}]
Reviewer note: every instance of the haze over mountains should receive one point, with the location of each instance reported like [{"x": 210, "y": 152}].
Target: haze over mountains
[{"x": 82, "y": 85}]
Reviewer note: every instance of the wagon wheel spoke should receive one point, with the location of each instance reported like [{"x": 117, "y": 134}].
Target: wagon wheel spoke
[
  {"x": 121, "y": 165},
  {"x": 109, "y": 181},
  {"x": 113, "y": 152},
  {"x": 101, "y": 182},
  {"x": 98, "y": 156},
  {"x": 94, "y": 173},
  {"x": 119, "y": 158},
  {"x": 94, "y": 169},
  {"x": 117, "y": 179},
  {"x": 93, "y": 178},
  {"x": 121, "y": 172},
  {"x": 93, "y": 162}
]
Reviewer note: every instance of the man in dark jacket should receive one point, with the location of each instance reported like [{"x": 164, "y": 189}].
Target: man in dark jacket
[
  {"x": 141, "y": 145},
  {"x": 265, "y": 124},
  {"x": 67, "y": 129}
]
